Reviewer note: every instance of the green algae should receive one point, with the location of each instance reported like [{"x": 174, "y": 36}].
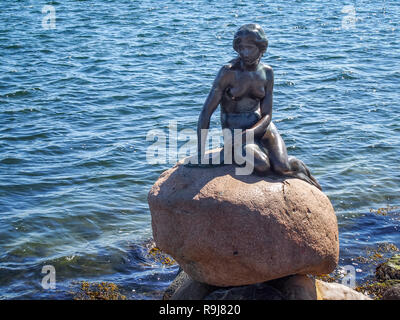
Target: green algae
[
  {"x": 374, "y": 258},
  {"x": 377, "y": 255},
  {"x": 98, "y": 291},
  {"x": 333, "y": 277},
  {"x": 387, "y": 274},
  {"x": 158, "y": 255},
  {"x": 389, "y": 270},
  {"x": 385, "y": 210},
  {"x": 375, "y": 288},
  {"x": 161, "y": 257},
  {"x": 394, "y": 262}
]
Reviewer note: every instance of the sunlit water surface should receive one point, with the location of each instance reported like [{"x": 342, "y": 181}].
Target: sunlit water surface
[{"x": 77, "y": 102}]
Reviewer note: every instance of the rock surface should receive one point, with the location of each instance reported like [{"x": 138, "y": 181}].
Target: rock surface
[
  {"x": 185, "y": 288},
  {"x": 230, "y": 230},
  {"x": 297, "y": 287},
  {"x": 337, "y": 291},
  {"x": 258, "y": 291},
  {"x": 392, "y": 293}
]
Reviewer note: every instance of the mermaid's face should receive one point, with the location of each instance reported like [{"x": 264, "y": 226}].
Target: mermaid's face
[{"x": 248, "y": 51}]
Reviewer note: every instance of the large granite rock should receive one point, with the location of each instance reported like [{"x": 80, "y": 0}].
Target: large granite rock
[{"x": 230, "y": 230}]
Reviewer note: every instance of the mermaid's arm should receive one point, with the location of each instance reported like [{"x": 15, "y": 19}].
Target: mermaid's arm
[{"x": 210, "y": 105}]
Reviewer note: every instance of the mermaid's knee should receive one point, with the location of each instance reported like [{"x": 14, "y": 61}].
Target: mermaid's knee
[
  {"x": 262, "y": 167},
  {"x": 259, "y": 158}
]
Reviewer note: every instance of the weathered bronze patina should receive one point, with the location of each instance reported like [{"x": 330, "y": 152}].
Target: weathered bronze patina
[{"x": 244, "y": 89}]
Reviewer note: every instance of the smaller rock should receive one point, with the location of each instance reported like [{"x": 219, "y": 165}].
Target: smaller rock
[
  {"x": 302, "y": 287},
  {"x": 259, "y": 291},
  {"x": 389, "y": 270},
  {"x": 392, "y": 293},
  {"x": 185, "y": 288},
  {"x": 180, "y": 279},
  {"x": 296, "y": 287},
  {"x": 337, "y": 291}
]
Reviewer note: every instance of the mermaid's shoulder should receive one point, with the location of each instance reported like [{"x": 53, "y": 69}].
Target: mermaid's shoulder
[
  {"x": 269, "y": 72},
  {"x": 232, "y": 65},
  {"x": 225, "y": 73}
]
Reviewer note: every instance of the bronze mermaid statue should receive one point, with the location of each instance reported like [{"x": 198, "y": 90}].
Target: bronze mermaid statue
[{"x": 244, "y": 89}]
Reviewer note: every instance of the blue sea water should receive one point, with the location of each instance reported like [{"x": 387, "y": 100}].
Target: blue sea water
[{"x": 78, "y": 98}]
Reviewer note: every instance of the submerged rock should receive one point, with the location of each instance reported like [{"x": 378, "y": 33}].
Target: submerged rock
[{"x": 230, "y": 230}]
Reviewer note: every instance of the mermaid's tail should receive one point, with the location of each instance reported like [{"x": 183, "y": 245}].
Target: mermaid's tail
[{"x": 301, "y": 171}]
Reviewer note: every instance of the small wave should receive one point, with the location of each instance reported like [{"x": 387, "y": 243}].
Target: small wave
[
  {"x": 71, "y": 80},
  {"x": 344, "y": 75},
  {"x": 50, "y": 150},
  {"x": 114, "y": 177},
  {"x": 46, "y": 51},
  {"x": 29, "y": 188},
  {"x": 30, "y": 137},
  {"x": 16, "y": 94},
  {"x": 96, "y": 163},
  {"x": 300, "y": 27},
  {"x": 11, "y": 160},
  {"x": 14, "y": 46},
  {"x": 22, "y": 110}
]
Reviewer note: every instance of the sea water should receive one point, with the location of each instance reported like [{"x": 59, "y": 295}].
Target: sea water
[{"x": 82, "y": 84}]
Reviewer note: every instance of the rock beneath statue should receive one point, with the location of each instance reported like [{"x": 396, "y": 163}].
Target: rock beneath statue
[
  {"x": 296, "y": 287},
  {"x": 185, "y": 288},
  {"x": 258, "y": 291},
  {"x": 337, "y": 291},
  {"x": 230, "y": 230}
]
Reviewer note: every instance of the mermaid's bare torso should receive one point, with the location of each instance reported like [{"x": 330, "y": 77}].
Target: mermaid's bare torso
[{"x": 240, "y": 105}]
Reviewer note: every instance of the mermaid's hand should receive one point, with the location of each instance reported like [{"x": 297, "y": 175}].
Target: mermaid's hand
[
  {"x": 206, "y": 162},
  {"x": 195, "y": 161},
  {"x": 315, "y": 182},
  {"x": 198, "y": 165}
]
